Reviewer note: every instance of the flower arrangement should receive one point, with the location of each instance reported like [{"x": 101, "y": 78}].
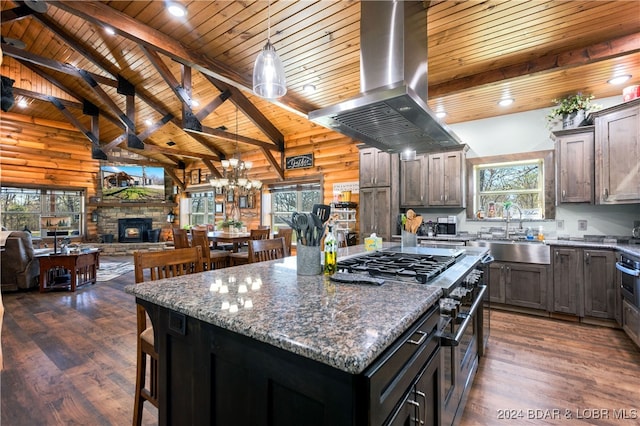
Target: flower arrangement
[
  {"x": 229, "y": 223},
  {"x": 571, "y": 104}
]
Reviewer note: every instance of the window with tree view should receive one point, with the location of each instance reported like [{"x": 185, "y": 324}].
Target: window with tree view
[
  {"x": 520, "y": 183},
  {"x": 292, "y": 198},
  {"x": 44, "y": 212}
]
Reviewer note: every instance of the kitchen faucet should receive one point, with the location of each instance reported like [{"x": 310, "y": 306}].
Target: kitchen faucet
[{"x": 506, "y": 229}]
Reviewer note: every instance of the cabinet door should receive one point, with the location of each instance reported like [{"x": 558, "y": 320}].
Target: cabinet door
[
  {"x": 526, "y": 285},
  {"x": 496, "y": 282},
  {"x": 631, "y": 321},
  {"x": 567, "y": 275},
  {"x": 375, "y": 212},
  {"x": 618, "y": 150},
  {"x": 413, "y": 185},
  {"x": 453, "y": 179},
  {"x": 576, "y": 168},
  {"x": 600, "y": 288},
  {"x": 436, "y": 179},
  {"x": 375, "y": 168}
]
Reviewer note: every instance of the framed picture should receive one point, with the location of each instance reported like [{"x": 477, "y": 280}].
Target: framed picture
[
  {"x": 218, "y": 190},
  {"x": 243, "y": 202},
  {"x": 204, "y": 178},
  {"x": 250, "y": 202},
  {"x": 230, "y": 196},
  {"x": 219, "y": 208},
  {"x": 195, "y": 177}
]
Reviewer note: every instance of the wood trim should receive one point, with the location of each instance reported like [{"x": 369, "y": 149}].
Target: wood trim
[{"x": 548, "y": 156}]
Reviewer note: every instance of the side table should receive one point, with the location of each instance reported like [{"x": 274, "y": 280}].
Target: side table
[{"x": 81, "y": 268}]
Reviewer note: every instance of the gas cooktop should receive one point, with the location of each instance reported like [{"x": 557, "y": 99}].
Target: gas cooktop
[{"x": 417, "y": 264}]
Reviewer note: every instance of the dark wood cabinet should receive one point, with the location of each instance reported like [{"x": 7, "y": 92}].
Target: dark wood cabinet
[
  {"x": 379, "y": 195},
  {"x": 209, "y": 375},
  {"x": 631, "y": 321},
  {"x": 584, "y": 282},
  {"x": 414, "y": 182},
  {"x": 447, "y": 179},
  {"x": 600, "y": 289},
  {"x": 575, "y": 165},
  {"x": 617, "y": 141},
  {"x": 567, "y": 273},
  {"x": 519, "y": 284}
]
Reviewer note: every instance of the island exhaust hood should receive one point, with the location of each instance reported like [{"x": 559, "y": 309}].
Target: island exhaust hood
[{"x": 391, "y": 112}]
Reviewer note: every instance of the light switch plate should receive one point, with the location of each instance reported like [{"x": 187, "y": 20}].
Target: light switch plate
[
  {"x": 560, "y": 224},
  {"x": 582, "y": 225}
]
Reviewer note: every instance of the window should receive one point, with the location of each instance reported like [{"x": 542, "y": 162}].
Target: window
[
  {"x": 518, "y": 182},
  {"x": 203, "y": 208},
  {"x": 287, "y": 199},
  {"x": 45, "y": 212}
]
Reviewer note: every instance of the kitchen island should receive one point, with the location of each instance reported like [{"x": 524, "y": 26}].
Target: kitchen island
[{"x": 259, "y": 344}]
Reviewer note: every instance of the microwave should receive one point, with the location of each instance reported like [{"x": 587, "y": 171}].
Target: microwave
[{"x": 447, "y": 225}]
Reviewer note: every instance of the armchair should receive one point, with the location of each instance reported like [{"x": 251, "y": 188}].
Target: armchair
[{"x": 20, "y": 266}]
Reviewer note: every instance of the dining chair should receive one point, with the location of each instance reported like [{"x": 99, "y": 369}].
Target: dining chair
[
  {"x": 263, "y": 250},
  {"x": 287, "y": 234},
  {"x": 180, "y": 238},
  {"x": 242, "y": 258},
  {"x": 213, "y": 259},
  {"x": 152, "y": 266}
]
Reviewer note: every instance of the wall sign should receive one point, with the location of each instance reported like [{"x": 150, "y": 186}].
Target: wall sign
[{"x": 299, "y": 162}]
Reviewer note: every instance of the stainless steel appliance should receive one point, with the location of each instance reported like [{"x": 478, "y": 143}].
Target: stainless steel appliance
[
  {"x": 464, "y": 325},
  {"x": 630, "y": 282}
]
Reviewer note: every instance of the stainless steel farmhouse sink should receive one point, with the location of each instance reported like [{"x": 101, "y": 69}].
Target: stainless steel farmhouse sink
[{"x": 523, "y": 251}]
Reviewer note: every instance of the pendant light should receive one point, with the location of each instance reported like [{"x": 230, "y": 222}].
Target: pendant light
[{"x": 269, "y": 80}]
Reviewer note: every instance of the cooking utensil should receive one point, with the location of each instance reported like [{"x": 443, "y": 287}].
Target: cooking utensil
[
  {"x": 303, "y": 227},
  {"x": 323, "y": 211}
]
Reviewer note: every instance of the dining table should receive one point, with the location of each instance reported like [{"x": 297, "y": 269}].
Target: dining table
[{"x": 235, "y": 238}]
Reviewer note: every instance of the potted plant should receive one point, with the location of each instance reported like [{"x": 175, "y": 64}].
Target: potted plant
[
  {"x": 229, "y": 225},
  {"x": 572, "y": 110}
]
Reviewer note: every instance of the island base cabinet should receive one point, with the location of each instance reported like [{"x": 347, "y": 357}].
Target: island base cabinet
[
  {"x": 519, "y": 284},
  {"x": 212, "y": 376}
]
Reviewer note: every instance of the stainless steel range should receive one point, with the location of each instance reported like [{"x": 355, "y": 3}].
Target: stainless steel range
[{"x": 463, "y": 276}]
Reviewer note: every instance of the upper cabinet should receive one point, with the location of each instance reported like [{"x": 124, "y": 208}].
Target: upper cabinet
[
  {"x": 376, "y": 167},
  {"x": 575, "y": 174},
  {"x": 433, "y": 180},
  {"x": 413, "y": 175},
  {"x": 617, "y": 150},
  {"x": 446, "y": 179}
]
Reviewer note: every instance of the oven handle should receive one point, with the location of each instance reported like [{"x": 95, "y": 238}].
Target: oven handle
[
  {"x": 628, "y": 271},
  {"x": 447, "y": 339},
  {"x": 487, "y": 259}
]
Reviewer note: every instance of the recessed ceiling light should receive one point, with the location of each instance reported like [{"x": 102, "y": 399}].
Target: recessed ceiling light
[
  {"x": 148, "y": 122},
  {"x": 109, "y": 31},
  {"x": 22, "y": 103},
  {"x": 619, "y": 79},
  {"x": 441, "y": 114},
  {"x": 195, "y": 103},
  {"x": 171, "y": 143},
  {"x": 176, "y": 10},
  {"x": 505, "y": 102},
  {"x": 309, "y": 88}
]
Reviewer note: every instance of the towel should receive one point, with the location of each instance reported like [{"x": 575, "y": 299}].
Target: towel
[{"x": 3, "y": 237}]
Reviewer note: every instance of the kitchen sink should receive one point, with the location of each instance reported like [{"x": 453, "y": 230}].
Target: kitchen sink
[{"x": 516, "y": 250}]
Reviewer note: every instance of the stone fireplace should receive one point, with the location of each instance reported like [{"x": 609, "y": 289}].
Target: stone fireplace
[{"x": 134, "y": 230}]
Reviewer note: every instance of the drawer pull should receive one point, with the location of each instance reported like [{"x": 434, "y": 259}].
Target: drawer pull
[{"x": 421, "y": 340}]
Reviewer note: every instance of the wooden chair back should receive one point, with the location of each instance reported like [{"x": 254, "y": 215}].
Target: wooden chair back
[
  {"x": 263, "y": 250},
  {"x": 287, "y": 234},
  {"x": 259, "y": 234},
  {"x": 213, "y": 259},
  {"x": 180, "y": 238},
  {"x": 199, "y": 238}
]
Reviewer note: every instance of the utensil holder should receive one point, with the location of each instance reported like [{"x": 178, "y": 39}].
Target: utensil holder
[
  {"x": 308, "y": 260},
  {"x": 409, "y": 239}
]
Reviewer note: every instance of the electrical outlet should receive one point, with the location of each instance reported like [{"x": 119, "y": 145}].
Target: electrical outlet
[
  {"x": 582, "y": 225},
  {"x": 560, "y": 224}
]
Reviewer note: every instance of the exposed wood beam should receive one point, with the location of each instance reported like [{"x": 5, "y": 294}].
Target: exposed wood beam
[
  {"x": 274, "y": 162},
  {"x": 212, "y": 168},
  {"x": 161, "y": 150},
  {"x": 101, "y": 14},
  {"x": 96, "y": 152},
  {"x": 138, "y": 161},
  {"x": 544, "y": 64},
  {"x": 104, "y": 96},
  {"x": 14, "y": 14},
  {"x": 213, "y": 105},
  {"x": 39, "y": 96},
  {"x": 221, "y": 134},
  {"x": 180, "y": 183}
]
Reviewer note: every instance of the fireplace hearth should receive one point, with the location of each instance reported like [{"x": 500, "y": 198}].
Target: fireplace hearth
[{"x": 134, "y": 230}]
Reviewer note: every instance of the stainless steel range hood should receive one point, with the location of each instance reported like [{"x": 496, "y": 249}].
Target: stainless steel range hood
[{"x": 391, "y": 113}]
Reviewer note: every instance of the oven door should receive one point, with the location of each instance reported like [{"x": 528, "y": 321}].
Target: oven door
[
  {"x": 460, "y": 358},
  {"x": 630, "y": 283}
]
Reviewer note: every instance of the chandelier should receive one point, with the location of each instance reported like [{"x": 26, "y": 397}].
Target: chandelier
[{"x": 234, "y": 178}]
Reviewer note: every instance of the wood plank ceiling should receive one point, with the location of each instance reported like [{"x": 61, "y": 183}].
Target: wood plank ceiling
[{"x": 479, "y": 51}]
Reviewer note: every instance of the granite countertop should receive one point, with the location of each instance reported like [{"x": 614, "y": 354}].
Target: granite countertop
[
  {"x": 633, "y": 249},
  {"x": 343, "y": 325}
]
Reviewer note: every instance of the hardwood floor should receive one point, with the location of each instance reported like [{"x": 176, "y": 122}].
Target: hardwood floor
[{"x": 69, "y": 358}]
